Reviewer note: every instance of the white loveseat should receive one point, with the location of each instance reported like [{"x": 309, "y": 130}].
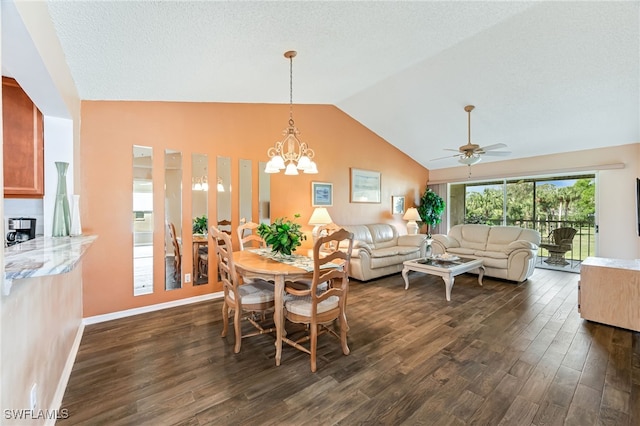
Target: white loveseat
[
  {"x": 378, "y": 250},
  {"x": 508, "y": 252}
]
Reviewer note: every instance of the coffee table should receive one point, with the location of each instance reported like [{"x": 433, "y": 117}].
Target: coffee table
[{"x": 447, "y": 269}]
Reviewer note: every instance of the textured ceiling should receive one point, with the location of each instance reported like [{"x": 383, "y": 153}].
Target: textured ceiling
[{"x": 545, "y": 77}]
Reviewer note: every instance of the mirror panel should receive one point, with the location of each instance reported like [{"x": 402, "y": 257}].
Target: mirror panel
[
  {"x": 173, "y": 219},
  {"x": 246, "y": 193},
  {"x": 142, "y": 220},
  {"x": 223, "y": 214},
  {"x": 264, "y": 194},
  {"x": 199, "y": 203}
]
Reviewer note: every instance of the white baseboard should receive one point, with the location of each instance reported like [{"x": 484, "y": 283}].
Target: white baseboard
[
  {"x": 56, "y": 402},
  {"x": 144, "y": 309}
]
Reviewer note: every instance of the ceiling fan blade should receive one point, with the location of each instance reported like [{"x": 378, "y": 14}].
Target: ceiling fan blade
[
  {"x": 497, "y": 153},
  {"x": 449, "y": 149},
  {"x": 442, "y": 158},
  {"x": 491, "y": 147}
]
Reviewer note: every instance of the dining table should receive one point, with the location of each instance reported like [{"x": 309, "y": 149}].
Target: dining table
[{"x": 262, "y": 263}]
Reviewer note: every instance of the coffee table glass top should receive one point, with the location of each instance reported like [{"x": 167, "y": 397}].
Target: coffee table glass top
[{"x": 444, "y": 263}]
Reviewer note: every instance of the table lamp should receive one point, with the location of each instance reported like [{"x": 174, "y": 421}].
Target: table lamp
[
  {"x": 319, "y": 217},
  {"x": 412, "y": 215}
]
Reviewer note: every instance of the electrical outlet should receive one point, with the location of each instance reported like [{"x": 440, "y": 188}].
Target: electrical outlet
[
  {"x": 187, "y": 278},
  {"x": 33, "y": 397}
]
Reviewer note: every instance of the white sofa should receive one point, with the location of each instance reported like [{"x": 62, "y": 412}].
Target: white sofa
[
  {"x": 378, "y": 250},
  {"x": 508, "y": 252}
]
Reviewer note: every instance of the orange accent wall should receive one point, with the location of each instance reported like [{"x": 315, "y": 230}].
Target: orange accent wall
[{"x": 110, "y": 129}]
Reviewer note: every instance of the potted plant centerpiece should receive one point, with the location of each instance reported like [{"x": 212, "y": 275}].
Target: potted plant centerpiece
[
  {"x": 430, "y": 209},
  {"x": 283, "y": 235},
  {"x": 200, "y": 225}
]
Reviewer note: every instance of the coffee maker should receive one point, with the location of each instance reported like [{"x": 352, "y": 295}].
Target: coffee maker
[{"x": 21, "y": 229}]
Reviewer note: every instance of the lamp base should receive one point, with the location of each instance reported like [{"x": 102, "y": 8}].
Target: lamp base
[{"x": 412, "y": 227}]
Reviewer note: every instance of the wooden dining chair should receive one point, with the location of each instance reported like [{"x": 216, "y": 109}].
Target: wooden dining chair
[
  {"x": 244, "y": 299},
  {"x": 248, "y": 236},
  {"x": 177, "y": 251},
  {"x": 318, "y": 309}
]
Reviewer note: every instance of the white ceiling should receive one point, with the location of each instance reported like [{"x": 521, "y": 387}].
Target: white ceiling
[{"x": 545, "y": 77}]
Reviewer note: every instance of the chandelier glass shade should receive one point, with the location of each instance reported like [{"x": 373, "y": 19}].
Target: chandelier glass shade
[{"x": 291, "y": 154}]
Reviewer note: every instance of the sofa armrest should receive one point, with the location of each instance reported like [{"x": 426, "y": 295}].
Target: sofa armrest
[
  {"x": 412, "y": 240},
  {"x": 446, "y": 241},
  {"x": 519, "y": 245},
  {"x": 361, "y": 246}
]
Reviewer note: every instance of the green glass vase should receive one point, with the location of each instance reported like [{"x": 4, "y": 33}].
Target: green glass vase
[{"x": 61, "y": 214}]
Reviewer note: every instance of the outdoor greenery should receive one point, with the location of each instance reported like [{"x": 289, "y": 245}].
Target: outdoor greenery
[
  {"x": 559, "y": 202},
  {"x": 484, "y": 203},
  {"x": 283, "y": 235},
  {"x": 430, "y": 209}
]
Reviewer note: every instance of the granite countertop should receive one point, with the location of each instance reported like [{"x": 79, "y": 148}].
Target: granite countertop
[{"x": 44, "y": 256}]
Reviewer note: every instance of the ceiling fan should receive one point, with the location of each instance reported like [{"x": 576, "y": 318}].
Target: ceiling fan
[{"x": 471, "y": 153}]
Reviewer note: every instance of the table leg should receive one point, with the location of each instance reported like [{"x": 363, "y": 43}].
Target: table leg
[
  {"x": 405, "y": 275},
  {"x": 448, "y": 285},
  {"x": 480, "y": 275},
  {"x": 278, "y": 314}
]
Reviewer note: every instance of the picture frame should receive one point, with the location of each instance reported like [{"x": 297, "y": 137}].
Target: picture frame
[
  {"x": 365, "y": 186},
  {"x": 397, "y": 204},
  {"x": 321, "y": 194}
]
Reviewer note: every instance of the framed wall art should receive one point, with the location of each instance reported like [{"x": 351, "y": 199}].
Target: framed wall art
[
  {"x": 321, "y": 194},
  {"x": 365, "y": 186},
  {"x": 397, "y": 205}
]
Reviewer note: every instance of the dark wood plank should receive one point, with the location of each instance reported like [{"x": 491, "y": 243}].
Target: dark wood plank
[{"x": 504, "y": 353}]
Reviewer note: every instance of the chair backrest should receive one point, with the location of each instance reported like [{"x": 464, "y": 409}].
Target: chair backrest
[
  {"x": 224, "y": 257},
  {"x": 174, "y": 240},
  {"x": 250, "y": 239},
  {"x": 338, "y": 278},
  {"x": 563, "y": 236}
]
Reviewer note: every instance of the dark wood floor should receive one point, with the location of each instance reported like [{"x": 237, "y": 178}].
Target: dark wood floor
[{"x": 504, "y": 353}]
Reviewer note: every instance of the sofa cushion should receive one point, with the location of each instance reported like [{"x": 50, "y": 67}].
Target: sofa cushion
[
  {"x": 384, "y": 252},
  {"x": 383, "y": 235},
  {"x": 491, "y": 254},
  {"x": 460, "y": 251},
  {"x": 471, "y": 236},
  {"x": 501, "y": 236},
  {"x": 381, "y": 262},
  {"x": 360, "y": 233}
]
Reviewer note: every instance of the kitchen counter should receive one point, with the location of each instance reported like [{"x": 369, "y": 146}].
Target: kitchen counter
[{"x": 43, "y": 256}]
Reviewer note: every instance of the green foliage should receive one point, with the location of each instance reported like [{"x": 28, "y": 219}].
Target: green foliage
[
  {"x": 200, "y": 225},
  {"x": 485, "y": 203},
  {"x": 430, "y": 209},
  {"x": 283, "y": 235}
]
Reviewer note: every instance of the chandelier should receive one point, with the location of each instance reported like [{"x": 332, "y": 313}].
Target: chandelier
[{"x": 291, "y": 154}]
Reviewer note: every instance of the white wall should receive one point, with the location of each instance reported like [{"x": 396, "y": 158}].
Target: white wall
[
  {"x": 58, "y": 146},
  {"x": 616, "y": 167}
]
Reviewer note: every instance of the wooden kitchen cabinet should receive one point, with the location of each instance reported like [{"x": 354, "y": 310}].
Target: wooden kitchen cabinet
[
  {"x": 23, "y": 139},
  {"x": 609, "y": 292}
]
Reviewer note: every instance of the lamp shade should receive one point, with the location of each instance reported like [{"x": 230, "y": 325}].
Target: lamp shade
[
  {"x": 411, "y": 214},
  {"x": 320, "y": 216}
]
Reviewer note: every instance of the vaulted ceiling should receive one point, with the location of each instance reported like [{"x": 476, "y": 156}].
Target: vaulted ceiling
[{"x": 545, "y": 77}]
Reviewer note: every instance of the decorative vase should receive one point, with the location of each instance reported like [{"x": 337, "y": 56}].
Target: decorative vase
[
  {"x": 76, "y": 227},
  {"x": 61, "y": 216}
]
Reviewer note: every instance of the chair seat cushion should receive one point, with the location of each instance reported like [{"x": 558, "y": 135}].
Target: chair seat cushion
[
  {"x": 258, "y": 291},
  {"x": 301, "y": 305}
]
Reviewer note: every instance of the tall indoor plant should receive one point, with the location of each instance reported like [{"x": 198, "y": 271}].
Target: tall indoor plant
[{"x": 430, "y": 209}]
